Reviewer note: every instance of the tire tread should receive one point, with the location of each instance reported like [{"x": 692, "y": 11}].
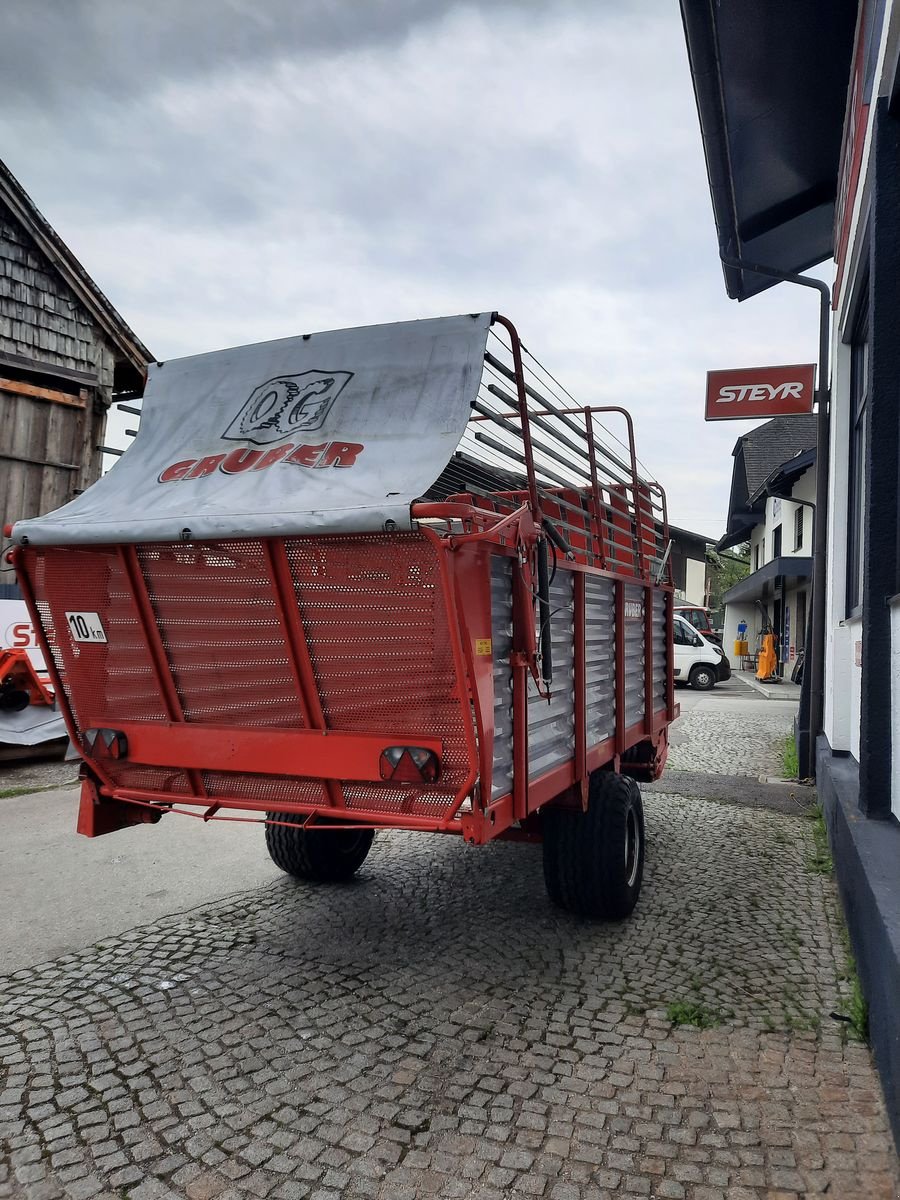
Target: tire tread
[
  {"x": 314, "y": 856},
  {"x": 583, "y": 861}
]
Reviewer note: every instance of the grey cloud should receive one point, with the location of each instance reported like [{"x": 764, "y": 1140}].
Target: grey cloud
[
  {"x": 123, "y": 48},
  {"x": 293, "y": 167}
]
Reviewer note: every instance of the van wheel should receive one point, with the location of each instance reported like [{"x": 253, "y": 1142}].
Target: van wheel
[
  {"x": 703, "y": 678},
  {"x": 323, "y": 855},
  {"x": 594, "y": 860}
]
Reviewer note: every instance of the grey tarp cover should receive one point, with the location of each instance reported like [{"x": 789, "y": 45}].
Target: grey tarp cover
[
  {"x": 326, "y": 432},
  {"x": 33, "y": 726}
]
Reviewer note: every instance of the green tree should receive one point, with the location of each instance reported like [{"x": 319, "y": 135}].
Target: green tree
[{"x": 725, "y": 570}]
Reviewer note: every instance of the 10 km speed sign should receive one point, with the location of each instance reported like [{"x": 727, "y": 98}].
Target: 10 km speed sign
[{"x": 85, "y": 626}]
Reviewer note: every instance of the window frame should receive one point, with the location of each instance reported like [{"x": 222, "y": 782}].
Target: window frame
[{"x": 799, "y": 523}]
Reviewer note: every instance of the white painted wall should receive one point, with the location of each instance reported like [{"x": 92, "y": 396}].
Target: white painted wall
[
  {"x": 839, "y": 716},
  {"x": 758, "y": 538},
  {"x": 734, "y": 614},
  {"x": 695, "y": 581},
  {"x": 803, "y": 489}
]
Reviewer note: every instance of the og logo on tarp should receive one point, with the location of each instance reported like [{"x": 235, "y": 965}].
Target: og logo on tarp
[{"x": 287, "y": 405}]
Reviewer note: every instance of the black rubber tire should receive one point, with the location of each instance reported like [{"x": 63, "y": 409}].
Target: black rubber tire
[
  {"x": 587, "y": 866},
  {"x": 324, "y": 855},
  {"x": 703, "y": 678}
]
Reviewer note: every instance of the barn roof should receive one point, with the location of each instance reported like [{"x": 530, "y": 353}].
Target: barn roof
[{"x": 133, "y": 356}]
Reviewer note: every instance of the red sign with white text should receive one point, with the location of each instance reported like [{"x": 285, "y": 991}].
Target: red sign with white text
[{"x": 749, "y": 392}]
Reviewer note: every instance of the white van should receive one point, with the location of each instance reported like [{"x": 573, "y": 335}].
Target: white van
[{"x": 698, "y": 661}]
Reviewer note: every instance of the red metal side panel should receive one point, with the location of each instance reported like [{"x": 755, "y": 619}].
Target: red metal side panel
[{"x": 374, "y": 618}]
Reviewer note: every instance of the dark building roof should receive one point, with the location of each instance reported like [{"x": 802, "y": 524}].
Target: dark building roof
[
  {"x": 698, "y": 540},
  {"x": 770, "y": 82},
  {"x": 770, "y": 445},
  {"x": 757, "y": 456},
  {"x": 132, "y": 355}
]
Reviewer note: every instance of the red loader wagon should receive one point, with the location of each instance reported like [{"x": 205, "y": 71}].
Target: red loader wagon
[{"x": 380, "y": 578}]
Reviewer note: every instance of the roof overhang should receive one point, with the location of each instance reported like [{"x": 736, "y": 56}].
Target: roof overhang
[
  {"x": 784, "y": 477},
  {"x": 700, "y": 540},
  {"x": 755, "y": 586},
  {"x": 739, "y": 527},
  {"x": 771, "y": 83}
]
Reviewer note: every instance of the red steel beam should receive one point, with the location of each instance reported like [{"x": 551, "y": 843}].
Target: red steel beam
[
  {"x": 162, "y": 669},
  {"x": 304, "y": 753},
  {"x": 291, "y": 624}
]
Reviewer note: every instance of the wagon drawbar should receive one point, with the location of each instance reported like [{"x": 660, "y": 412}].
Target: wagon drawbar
[{"x": 391, "y": 577}]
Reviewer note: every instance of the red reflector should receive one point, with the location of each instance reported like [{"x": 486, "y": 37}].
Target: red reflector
[
  {"x": 105, "y": 743},
  {"x": 409, "y": 764}
]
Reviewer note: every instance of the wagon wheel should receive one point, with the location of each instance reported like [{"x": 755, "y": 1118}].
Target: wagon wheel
[
  {"x": 594, "y": 860},
  {"x": 323, "y": 855}
]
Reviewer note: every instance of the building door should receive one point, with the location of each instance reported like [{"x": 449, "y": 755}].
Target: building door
[
  {"x": 800, "y": 630},
  {"x": 778, "y": 624}
]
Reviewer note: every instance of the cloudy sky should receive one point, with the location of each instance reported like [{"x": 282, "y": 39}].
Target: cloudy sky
[{"x": 235, "y": 170}]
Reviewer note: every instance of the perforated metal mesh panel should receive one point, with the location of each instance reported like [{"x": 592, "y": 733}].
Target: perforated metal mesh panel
[
  {"x": 216, "y": 613},
  {"x": 376, "y": 626},
  {"x": 102, "y": 681}
]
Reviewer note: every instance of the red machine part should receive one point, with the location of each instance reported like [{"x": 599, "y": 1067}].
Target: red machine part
[{"x": 20, "y": 684}]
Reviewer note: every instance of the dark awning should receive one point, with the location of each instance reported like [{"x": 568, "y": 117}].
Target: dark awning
[
  {"x": 739, "y": 527},
  {"x": 790, "y": 567},
  {"x": 771, "y": 87}
]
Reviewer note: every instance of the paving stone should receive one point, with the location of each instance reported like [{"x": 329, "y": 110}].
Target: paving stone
[{"x": 381, "y": 1041}]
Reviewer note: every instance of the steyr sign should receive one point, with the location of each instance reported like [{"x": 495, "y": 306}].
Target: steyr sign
[{"x": 748, "y": 392}]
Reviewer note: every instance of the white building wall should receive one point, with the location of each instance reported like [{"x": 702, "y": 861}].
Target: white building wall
[
  {"x": 695, "y": 582},
  {"x": 803, "y": 489},
  {"x": 758, "y": 539},
  {"x": 839, "y": 654},
  {"x": 734, "y": 614}
]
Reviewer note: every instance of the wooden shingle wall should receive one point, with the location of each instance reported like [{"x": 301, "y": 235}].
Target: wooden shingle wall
[{"x": 50, "y": 427}]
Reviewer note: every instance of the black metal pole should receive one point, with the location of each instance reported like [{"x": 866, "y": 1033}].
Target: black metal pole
[{"x": 816, "y": 672}]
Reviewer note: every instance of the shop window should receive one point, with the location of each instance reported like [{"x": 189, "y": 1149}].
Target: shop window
[
  {"x": 859, "y": 436},
  {"x": 798, "y": 528}
]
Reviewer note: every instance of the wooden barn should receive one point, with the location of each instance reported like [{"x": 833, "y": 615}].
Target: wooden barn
[{"x": 65, "y": 356}]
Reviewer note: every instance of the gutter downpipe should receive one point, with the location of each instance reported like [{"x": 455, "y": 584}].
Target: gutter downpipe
[{"x": 815, "y": 704}]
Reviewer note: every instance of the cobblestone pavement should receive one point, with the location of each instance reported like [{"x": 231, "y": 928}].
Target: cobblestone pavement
[
  {"x": 438, "y": 1029},
  {"x": 737, "y": 738}
]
